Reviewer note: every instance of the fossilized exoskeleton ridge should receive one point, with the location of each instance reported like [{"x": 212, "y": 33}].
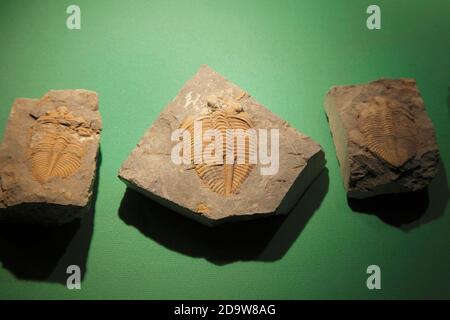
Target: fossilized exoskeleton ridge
[
  {"x": 223, "y": 178},
  {"x": 57, "y": 144},
  {"x": 389, "y": 130}
]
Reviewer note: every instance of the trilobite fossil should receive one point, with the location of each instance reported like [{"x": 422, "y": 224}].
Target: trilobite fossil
[
  {"x": 389, "y": 130},
  {"x": 55, "y": 148},
  {"x": 225, "y": 117}
]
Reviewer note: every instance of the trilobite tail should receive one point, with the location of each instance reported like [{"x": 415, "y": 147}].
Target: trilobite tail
[
  {"x": 228, "y": 174},
  {"x": 53, "y": 160}
]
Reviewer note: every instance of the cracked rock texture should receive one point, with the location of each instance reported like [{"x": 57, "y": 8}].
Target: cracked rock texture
[
  {"x": 149, "y": 168},
  {"x": 48, "y": 158},
  {"x": 384, "y": 139}
]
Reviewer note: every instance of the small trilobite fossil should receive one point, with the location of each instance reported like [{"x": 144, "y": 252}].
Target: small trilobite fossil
[
  {"x": 55, "y": 156},
  {"x": 224, "y": 178},
  {"x": 389, "y": 130},
  {"x": 56, "y": 149}
]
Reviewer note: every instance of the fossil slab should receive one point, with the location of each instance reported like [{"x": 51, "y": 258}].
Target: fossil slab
[
  {"x": 235, "y": 183},
  {"x": 48, "y": 158},
  {"x": 384, "y": 139}
]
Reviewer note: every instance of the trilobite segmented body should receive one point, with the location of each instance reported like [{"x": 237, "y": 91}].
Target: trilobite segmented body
[
  {"x": 389, "y": 130},
  {"x": 55, "y": 156},
  {"x": 55, "y": 148},
  {"x": 226, "y": 118}
]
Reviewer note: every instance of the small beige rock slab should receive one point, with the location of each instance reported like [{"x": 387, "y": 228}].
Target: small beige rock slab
[{"x": 48, "y": 157}]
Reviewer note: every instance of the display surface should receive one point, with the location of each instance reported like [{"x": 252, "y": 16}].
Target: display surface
[
  {"x": 215, "y": 154},
  {"x": 287, "y": 55}
]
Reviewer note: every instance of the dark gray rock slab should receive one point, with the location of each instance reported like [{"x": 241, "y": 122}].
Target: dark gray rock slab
[{"x": 384, "y": 139}]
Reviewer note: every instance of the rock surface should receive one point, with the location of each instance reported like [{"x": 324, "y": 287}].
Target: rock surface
[
  {"x": 48, "y": 158},
  {"x": 384, "y": 139},
  {"x": 187, "y": 189}
]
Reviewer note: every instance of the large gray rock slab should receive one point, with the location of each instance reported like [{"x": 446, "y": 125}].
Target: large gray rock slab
[
  {"x": 48, "y": 158},
  {"x": 150, "y": 169},
  {"x": 384, "y": 139}
]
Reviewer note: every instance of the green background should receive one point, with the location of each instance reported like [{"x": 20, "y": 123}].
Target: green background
[{"x": 137, "y": 55}]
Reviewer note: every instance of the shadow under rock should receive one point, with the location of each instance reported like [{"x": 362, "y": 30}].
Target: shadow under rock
[
  {"x": 411, "y": 209},
  {"x": 448, "y": 98},
  {"x": 263, "y": 239},
  {"x": 42, "y": 253}
]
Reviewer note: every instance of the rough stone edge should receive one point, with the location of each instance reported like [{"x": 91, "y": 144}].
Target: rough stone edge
[{"x": 312, "y": 170}]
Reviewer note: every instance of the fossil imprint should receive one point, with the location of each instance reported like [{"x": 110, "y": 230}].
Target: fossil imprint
[
  {"x": 56, "y": 149},
  {"x": 224, "y": 178},
  {"x": 389, "y": 130}
]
